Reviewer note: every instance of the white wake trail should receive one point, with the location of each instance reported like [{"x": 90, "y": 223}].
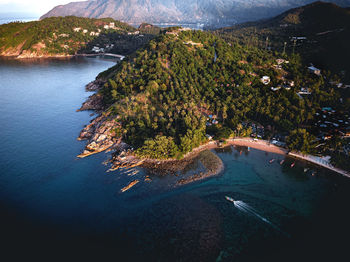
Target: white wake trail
[{"x": 248, "y": 209}]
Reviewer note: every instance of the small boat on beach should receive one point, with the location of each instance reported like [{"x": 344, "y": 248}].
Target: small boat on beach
[
  {"x": 282, "y": 161},
  {"x": 292, "y": 165},
  {"x": 272, "y": 160},
  {"x": 306, "y": 169},
  {"x": 230, "y": 199}
]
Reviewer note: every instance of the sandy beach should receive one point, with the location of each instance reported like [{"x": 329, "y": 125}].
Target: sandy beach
[{"x": 257, "y": 144}]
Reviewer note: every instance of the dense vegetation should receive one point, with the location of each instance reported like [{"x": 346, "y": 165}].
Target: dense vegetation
[
  {"x": 55, "y": 35},
  {"x": 165, "y": 93},
  {"x": 123, "y": 43}
]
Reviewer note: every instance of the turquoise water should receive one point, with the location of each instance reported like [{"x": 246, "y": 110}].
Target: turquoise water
[{"x": 55, "y": 205}]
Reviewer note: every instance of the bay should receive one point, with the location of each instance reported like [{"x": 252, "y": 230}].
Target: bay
[{"x": 54, "y": 205}]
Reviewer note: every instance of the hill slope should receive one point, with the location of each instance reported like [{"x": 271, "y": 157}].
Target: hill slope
[
  {"x": 210, "y": 12},
  {"x": 56, "y": 36},
  {"x": 184, "y": 85},
  {"x": 325, "y": 29}
]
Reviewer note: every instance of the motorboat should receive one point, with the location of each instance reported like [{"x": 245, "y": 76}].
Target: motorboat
[
  {"x": 230, "y": 199},
  {"x": 272, "y": 160}
]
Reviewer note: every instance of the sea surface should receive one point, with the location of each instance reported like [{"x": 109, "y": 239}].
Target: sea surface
[
  {"x": 53, "y": 205},
  {"x": 9, "y": 17}
]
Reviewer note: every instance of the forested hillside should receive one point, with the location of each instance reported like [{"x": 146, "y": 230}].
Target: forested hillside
[
  {"x": 320, "y": 32},
  {"x": 55, "y": 36},
  {"x": 185, "y": 85}
]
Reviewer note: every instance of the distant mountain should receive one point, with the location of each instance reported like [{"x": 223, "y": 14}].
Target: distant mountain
[
  {"x": 212, "y": 12},
  {"x": 320, "y": 32}
]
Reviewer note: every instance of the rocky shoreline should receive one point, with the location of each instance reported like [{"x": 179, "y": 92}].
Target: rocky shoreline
[
  {"x": 101, "y": 136},
  {"x": 100, "y": 133}
]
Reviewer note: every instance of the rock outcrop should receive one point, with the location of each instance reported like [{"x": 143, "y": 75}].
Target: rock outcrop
[
  {"x": 94, "y": 85},
  {"x": 94, "y": 102},
  {"x": 100, "y": 134}
]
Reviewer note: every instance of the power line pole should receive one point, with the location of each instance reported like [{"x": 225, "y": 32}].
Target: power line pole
[
  {"x": 284, "y": 48},
  {"x": 266, "y": 43},
  {"x": 294, "y": 43}
]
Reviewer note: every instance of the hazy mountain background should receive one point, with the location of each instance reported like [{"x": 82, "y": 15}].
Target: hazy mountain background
[{"x": 213, "y": 12}]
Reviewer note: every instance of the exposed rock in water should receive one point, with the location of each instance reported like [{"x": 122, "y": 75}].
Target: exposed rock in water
[
  {"x": 94, "y": 102},
  {"x": 131, "y": 184},
  {"x": 211, "y": 162},
  {"x": 101, "y": 135}
]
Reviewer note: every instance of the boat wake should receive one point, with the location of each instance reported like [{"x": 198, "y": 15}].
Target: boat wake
[{"x": 251, "y": 211}]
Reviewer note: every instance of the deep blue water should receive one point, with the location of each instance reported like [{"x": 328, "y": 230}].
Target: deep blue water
[{"x": 55, "y": 205}]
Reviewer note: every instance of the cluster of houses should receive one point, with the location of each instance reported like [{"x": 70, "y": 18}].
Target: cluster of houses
[
  {"x": 212, "y": 120},
  {"x": 330, "y": 122},
  {"x": 134, "y": 33},
  {"x": 98, "y": 49},
  {"x": 111, "y": 25},
  {"x": 85, "y": 31},
  {"x": 258, "y": 130}
]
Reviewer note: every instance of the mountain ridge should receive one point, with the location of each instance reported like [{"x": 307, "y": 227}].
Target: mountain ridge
[{"x": 209, "y": 12}]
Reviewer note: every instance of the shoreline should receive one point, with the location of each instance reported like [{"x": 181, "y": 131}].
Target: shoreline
[
  {"x": 262, "y": 145},
  {"x": 59, "y": 56}
]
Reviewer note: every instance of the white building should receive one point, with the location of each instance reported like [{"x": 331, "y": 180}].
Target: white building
[
  {"x": 85, "y": 31},
  {"x": 314, "y": 70},
  {"x": 265, "y": 80},
  {"x": 76, "y": 29}
]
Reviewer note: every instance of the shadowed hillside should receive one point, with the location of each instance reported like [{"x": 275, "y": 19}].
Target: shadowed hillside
[{"x": 320, "y": 32}]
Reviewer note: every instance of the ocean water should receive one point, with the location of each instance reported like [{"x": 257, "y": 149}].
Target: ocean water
[
  {"x": 53, "y": 205},
  {"x": 8, "y": 17}
]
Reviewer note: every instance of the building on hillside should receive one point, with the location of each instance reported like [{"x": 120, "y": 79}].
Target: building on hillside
[
  {"x": 185, "y": 29},
  {"x": 298, "y": 38},
  {"x": 275, "y": 88},
  {"x": 265, "y": 80},
  {"x": 280, "y": 61},
  {"x": 85, "y": 31},
  {"x": 304, "y": 91},
  {"x": 314, "y": 70},
  {"x": 134, "y": 33},
  {"x": 77, "y": 29}
]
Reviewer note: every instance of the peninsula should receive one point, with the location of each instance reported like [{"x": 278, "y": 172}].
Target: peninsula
[
  {"x": 188, "y": 87},
  {"x": 69, "y": 36}
]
